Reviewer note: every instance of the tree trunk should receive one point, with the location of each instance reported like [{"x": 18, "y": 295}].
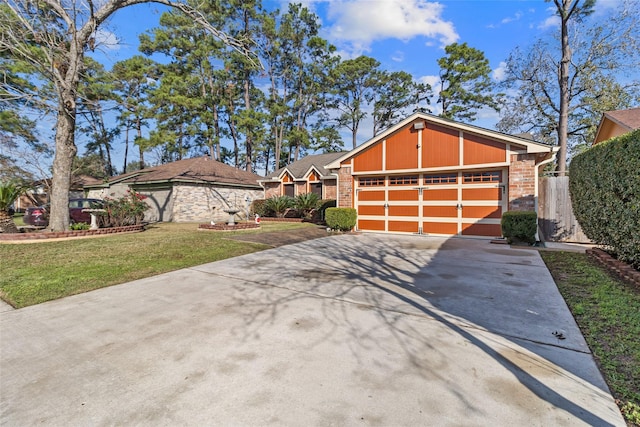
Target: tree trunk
[
  {"x": 65, "y": 152},
  {"x": 6, "y": 223},
  {"x": 140, "y": 149},
  {"x": 126, "y": 149},
  {"x": 563, "y": 77}
]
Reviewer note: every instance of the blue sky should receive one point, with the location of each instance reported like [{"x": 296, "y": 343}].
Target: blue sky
[{"x": 406, "y": 35}]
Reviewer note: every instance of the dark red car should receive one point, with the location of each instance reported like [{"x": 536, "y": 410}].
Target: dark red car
[{"x": 39, "y": 216}]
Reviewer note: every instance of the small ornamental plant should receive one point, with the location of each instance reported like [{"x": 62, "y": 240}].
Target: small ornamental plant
[{"x": 126, "y": 210}]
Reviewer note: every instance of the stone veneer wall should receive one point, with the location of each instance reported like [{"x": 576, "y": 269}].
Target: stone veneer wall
[
  {"x": 345, "y": 187},
  {"x": 522, "y": 184},
  {"x": 203, "y": 203},
  {"x": 159, "y": 199}
]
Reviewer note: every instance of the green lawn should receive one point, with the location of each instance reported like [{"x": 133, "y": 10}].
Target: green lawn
[
  {"x": 608, "y": 313},
  {"x": 36, "y": 272}
]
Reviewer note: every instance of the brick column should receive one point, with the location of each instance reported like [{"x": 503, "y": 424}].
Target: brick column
[
  {"x": 345, "y": 187},
  {"x": 522, "y": 184}
]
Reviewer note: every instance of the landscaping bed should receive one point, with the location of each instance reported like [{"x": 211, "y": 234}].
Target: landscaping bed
[
  {"x": 43, "y": 235},
  {"x": 607, "y": 311}
]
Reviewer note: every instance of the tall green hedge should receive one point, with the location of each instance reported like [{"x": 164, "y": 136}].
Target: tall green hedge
[{"x": 604, "y": 182}]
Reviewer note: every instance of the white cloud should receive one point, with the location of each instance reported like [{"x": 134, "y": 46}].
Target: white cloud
[
  {"x": 398, "y": 56},
  {"x": 499, "y": 73},
  {"x": 358, "y": 23},
  {"x": 106, "y": 40},
  {"x": 550, "y": 22},
  {"x": 508, "y": 19},
  {"x": 430, "y": 80}
]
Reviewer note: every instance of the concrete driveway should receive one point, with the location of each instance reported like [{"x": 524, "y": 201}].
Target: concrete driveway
[{"x": 343, "y": 330}]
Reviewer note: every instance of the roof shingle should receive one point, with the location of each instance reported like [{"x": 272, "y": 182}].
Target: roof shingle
[
  {"x": 198, "y": 169},
  {"x": 299, "y": 168},
  {"x": 629, "y": 118}
]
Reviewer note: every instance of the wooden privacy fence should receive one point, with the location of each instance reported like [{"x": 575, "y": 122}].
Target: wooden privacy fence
[{"x": 555, "y": 214}]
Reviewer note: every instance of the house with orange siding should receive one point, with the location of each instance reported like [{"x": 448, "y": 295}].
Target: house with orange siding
[
  {"x": 307, "y": 175},
  {"x": 616, "y": 123},
  {"x": 434, "y": 176}
]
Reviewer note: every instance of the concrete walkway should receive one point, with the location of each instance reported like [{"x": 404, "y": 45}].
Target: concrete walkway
[{"x": 343, "y": 330}]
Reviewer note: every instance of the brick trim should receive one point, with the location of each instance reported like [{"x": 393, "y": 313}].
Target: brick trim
[{"x": 70, "y": 234}]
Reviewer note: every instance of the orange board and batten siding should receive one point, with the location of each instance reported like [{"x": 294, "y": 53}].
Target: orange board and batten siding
[
  {"x": 479, "y": 150},
  {"x": 440, "y": 146},
  {"x": 401, "y": 150},
  {"x": 369, "y": 160}
]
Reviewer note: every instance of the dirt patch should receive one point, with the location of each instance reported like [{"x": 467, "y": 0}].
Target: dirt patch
[{"x": 281, "y": 238}]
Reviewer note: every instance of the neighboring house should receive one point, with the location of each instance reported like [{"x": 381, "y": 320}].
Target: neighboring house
[
  {"x": 190, "y": 190},
  {"x": 307, "y": 175},
  {"x": 616, "y": 123},
  {"x": 38, "y": 194},
  {"x": 429, "y": 175}
]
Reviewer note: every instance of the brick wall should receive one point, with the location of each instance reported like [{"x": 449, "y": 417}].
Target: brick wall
[
  {"x": 301, "y": 187},
  {"x": 345, "y": 191},
  {"x": 271, "y": 189},
  {"x": 330, "y": 188},
  {"x": 522, "y": 184}
]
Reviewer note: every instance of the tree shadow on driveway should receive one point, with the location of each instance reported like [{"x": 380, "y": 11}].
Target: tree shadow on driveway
[{"x": 500, "y": 301}]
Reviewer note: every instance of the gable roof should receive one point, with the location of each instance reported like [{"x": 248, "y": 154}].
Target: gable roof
[
  {"x": 629, "y": 118},
  {"x": 199, "y": 170},
  {"x": 299, "y": 169},
  {"x": 521, "y": 140},
  {"x": 617, "y": 122}
]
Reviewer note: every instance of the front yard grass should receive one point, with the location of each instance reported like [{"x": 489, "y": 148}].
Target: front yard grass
[
  {"x": 33, "y": 273},
  {"x": 608, "y": 313}
]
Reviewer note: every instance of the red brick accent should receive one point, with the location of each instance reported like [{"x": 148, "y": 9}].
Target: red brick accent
[
  {"x": 271, "y": 219},
  {"x": 522, "y": 184},
  {"x": 624, "y": 271},
  {"x": 44, "y": 235},
  {"x": 345, "y": 190},
  {"x": 227, "y": 227},
  {"x": 301, "y": 187},
  {"x": 330, "y": 189}
]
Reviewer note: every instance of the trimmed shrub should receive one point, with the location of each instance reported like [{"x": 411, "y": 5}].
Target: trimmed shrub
[
  {"x": 519, "y": 226},
  {"x": 604, "y": 183},
  {"x": 343, "y": 219}
]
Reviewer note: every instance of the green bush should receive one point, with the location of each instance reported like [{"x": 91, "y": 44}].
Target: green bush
[
  {"x": 259, "y": 206},
  {"x": 343, "y": 219},
  {"x": 604, "y": 183},
  {"x": 79, "y": 226},
  {"x": 126, "y": 210},
  {"x": 279, "y": 205},
  {"x": 319, "y": 215},
  {"x": 519, "y": 226},
  {"x": 306, "y": 203}
]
